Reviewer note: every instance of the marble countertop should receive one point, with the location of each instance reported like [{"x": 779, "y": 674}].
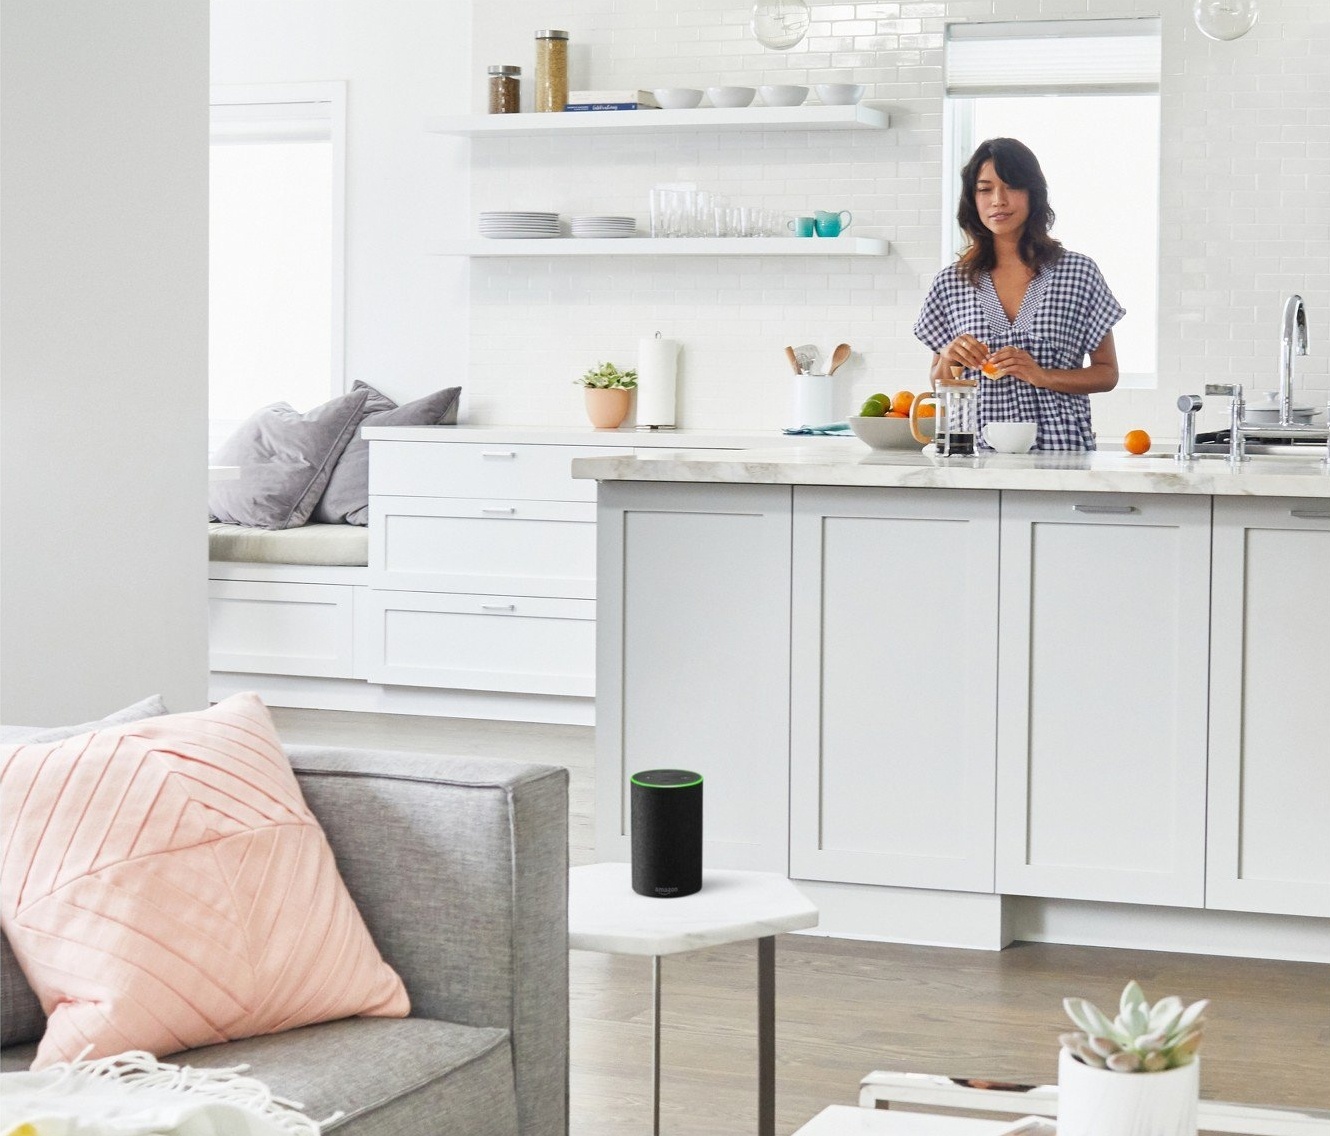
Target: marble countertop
[
  {"x": 623, "y": 439},
  {"x": 849, "y": 462}
]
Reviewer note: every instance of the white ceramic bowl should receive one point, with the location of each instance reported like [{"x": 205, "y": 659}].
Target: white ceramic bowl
[
  {"x": 1011, "y": 437},
  {"x": 886, "y": 433},
  {"x": 839, "y": 94},
  {"x": 783, "y": 95},
  {"x": 731, "y": 96},
  {"x": 677, "y": 98}
]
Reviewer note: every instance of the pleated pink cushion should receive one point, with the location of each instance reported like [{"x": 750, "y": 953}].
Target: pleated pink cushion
[{"x": 164, "y": 886}]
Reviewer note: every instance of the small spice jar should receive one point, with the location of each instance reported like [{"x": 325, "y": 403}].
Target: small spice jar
[
  {"x": 505, "y": 89},
  {"x": 551, "y": 70}
]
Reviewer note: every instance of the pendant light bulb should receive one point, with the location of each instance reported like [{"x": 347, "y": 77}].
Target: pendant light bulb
[
  {"x": 1225, "y": 19},
  {"x": 780, "y": 24}
]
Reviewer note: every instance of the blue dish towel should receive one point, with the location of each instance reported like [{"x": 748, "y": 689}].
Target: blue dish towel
[{"x": 829, "y": 428}]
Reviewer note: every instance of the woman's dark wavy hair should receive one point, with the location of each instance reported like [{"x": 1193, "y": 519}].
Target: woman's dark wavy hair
[{"x": 1016, "y": 165}]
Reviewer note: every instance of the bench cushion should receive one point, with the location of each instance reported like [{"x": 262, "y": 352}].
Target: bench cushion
[{"x": 308, "y": 544}]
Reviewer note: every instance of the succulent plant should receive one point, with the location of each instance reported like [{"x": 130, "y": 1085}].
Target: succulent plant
[
  {"x": 606, "y": 376},
  {"x": 1141, "y": 1039}
]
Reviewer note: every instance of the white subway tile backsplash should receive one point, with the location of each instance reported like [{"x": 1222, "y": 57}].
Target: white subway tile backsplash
[{"x": 1245, "y": 199}]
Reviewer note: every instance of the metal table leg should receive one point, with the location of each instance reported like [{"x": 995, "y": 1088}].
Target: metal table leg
[
  {"x": 655, "y": 1045},
  {"x": 766, "y": 1036}
]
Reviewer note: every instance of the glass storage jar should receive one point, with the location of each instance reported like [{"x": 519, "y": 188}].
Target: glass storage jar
[
  {"x": 505, "y": 89},
  {"x": 551, "y": 70}
]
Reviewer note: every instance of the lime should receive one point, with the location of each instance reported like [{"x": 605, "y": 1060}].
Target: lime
[{"x": 875, "y": 407}]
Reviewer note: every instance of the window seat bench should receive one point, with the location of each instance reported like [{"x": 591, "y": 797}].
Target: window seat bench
[{"x": 326, "y": 545}]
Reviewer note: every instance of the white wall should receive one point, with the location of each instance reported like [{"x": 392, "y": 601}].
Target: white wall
[
  {"x": 1246, "y": 179},
  {"x": 406, "y": 328},
  {"x": 103, "y": 356}
]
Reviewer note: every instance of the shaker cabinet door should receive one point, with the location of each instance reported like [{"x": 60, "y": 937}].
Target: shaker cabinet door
[
  {"x": 1269, "y": 832},
  {"x": 1102, "y": 696},
  {"x": 894, "y": 661},
  {"x": 693, "y": 626}
]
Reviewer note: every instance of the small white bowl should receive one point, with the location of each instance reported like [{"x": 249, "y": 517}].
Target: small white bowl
[
  {"x": 1011, "y": 437},
  {"x": 731, "y": 96},
  {"x": 677, "y": 98},
  {"x": 839, "y": 94},
  {"x": 887, "y": 433},
  {"x": 783, "y": 95}
]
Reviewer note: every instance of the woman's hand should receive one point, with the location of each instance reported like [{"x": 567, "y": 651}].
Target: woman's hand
[
  {"x": 1021, "y": 364},
  {"x": 964, "y": 351}
]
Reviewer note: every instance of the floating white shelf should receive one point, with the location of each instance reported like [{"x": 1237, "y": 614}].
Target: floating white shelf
[
  {"x": 854, "y": 117},
  {"x": 679, "y": 246}
]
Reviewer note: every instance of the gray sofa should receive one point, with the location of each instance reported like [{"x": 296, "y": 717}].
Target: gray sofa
[{"x": 460, "y": 868}]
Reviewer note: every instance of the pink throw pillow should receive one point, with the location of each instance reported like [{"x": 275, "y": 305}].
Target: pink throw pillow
[{"x": 164, "y": 886}]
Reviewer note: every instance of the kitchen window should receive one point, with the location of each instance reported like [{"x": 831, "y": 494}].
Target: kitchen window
[
  {"x": 1084, "y": 96},
  {"x": 276, "y": 291}
]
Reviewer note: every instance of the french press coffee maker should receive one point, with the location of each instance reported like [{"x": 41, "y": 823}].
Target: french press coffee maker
[{"x": 956, "y": 415}]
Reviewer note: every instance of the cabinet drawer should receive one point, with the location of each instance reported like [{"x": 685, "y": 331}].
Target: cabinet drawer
[
  {"x": 481, "y": 642},
  {"x": 530, "y": 548},
  {"x": 469, "y": 469},
  {"x": 280, "y": 628}
]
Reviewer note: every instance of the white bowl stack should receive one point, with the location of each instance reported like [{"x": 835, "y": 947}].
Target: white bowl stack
[
  {"x": 509, "y": 226},
  {"x": 599, "y": 225}
]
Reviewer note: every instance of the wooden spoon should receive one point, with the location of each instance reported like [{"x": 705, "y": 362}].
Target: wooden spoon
[
  {"x": 838, "y": 357},
  {"x": 794, "y": 362}
]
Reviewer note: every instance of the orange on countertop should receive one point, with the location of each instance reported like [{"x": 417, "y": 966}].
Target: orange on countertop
[{"x": 1136, "y": 442}]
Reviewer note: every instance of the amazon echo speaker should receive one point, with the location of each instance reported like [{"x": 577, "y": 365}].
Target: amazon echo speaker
[{"x": 666, "y": 831}]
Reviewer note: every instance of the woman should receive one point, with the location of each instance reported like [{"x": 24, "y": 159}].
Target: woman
[{"x": 1019, "y": 309}]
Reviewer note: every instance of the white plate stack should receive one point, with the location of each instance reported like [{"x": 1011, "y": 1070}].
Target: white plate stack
[
  {"x": 601, "y": 226},
  {"x": 509, "y": 226}
]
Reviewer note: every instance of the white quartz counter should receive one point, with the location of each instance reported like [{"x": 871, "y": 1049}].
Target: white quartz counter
[
  {"x": 848, "y": 462},
  {"x": 622, "y": 439}
]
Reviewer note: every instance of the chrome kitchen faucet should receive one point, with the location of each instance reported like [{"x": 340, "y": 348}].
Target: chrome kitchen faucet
[{"x": 1293, "y": 341}]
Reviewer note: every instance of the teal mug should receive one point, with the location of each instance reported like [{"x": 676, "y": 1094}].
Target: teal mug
[
  {"x": 830, "y": 224},
  {"x": 801, "y": 226}
]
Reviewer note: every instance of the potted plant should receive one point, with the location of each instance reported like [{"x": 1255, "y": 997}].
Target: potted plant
[
  {"x": 1134, "y": 1075},
  {"x": 607, "y": 395}
]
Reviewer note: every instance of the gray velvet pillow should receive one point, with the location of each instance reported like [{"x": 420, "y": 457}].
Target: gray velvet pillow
[
  {"x": 346, "y": 500},
  {"x": 21, "y": 1017},
  {"x": 285, "y": 461}
]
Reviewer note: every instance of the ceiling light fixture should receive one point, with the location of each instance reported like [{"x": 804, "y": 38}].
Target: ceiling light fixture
[
  {"x": 1225, "y": 19},
  {"x": 780, "y": 24}
]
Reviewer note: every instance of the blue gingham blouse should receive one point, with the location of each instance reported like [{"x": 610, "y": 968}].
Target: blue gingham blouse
[{"x": 1065, "y": 314}]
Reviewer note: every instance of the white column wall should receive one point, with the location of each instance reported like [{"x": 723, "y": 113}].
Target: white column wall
[{"x": 103, "y": 356}]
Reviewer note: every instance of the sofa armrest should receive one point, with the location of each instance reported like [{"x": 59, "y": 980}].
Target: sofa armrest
[{"x": 459, "y": 866}]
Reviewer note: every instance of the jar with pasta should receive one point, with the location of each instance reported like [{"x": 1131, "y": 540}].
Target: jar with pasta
[{"x": 551, "y": 70}]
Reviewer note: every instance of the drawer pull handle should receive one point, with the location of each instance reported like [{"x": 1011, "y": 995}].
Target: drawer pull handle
[
  {"x": 1115, "y": 510},
  {"x": 1310, "y": 514},
  {"x": 506, "y": 512},
  {"x": 498, "y": 453},
  {"x": 498, "y": 607}
]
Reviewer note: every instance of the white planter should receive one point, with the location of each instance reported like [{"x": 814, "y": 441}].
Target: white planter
[{"x": 1097, "y": 1102}]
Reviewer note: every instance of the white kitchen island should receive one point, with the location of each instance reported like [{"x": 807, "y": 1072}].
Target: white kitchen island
[{"x": 1067, "y": 697}]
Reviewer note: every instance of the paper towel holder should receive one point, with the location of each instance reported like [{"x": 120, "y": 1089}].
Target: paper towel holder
[{"x": 656, "y": 426}]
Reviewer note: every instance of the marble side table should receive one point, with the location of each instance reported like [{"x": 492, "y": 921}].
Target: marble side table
[{"x": 605, "y": 914}]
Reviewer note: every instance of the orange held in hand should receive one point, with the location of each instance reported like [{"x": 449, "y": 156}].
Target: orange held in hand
[{"x": 1136, "y": 442}]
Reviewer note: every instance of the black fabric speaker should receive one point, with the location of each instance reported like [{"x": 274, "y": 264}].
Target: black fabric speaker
[{"x": 667, "y": 832}]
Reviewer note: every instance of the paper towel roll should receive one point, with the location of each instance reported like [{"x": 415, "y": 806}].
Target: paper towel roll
[{"x": 657, "y": 378}]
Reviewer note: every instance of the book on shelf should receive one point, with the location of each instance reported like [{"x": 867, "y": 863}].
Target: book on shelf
[
  {"x": 583, "y": 98},
  {"x": 608, "y": 106}
]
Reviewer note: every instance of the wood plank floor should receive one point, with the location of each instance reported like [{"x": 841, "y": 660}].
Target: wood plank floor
[{"x": 844, "y": 1007}]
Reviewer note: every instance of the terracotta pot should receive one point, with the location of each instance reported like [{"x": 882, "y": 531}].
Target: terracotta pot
[
  {"x": 1097, "y": 1102},
  {"x": 606, "y": 407}
]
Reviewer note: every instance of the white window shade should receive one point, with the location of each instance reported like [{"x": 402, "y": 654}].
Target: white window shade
[
  {"x": 1063, "y": 57},
  {"x": 272, "y": 122}
]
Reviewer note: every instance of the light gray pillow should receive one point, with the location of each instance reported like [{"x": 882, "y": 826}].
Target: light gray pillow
[
  {"x": 346, "y": 500},
  {"x": 21, "y": 1017},
  {"x": 285, "y": 460}
]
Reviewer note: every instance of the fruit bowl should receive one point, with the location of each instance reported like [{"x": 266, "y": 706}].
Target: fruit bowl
[{"x": 887, "y": 433}]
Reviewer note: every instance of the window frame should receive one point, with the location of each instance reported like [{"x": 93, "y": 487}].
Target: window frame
[{"x": 309, "y": 103}]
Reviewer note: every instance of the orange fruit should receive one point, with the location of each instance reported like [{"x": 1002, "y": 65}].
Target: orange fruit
[
  {"x": 928, "y": 410},
  {"x": 991, "y": 371},
  {"x": 903, "y": 401},
  {"x": 896, "y": 414},
  {"x": 1136, "y": 442}
]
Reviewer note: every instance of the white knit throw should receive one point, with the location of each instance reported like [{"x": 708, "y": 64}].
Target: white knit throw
[{"x": 134, "y": 1094}]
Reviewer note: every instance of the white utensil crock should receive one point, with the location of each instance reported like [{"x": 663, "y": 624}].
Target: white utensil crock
[
  {"x": 813, "y": 400},
  {"x": 1099, "y": 1102}
]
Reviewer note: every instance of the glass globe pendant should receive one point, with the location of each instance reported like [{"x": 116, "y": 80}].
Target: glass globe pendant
[
  {"x": 780, "y": 24},
  {"x": 1225, "y": 19}
]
